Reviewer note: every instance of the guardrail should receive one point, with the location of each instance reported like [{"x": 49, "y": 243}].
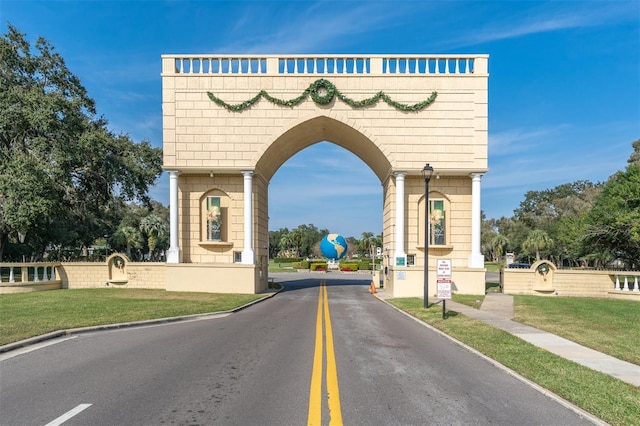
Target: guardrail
[
  {"x": 38, "y": 274},
  {"x": 627, "y": 282},
  {"x": 460, "y": 65}
]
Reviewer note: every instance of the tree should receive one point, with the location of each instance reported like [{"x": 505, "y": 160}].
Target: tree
[
  {"x": 365, "y": 243},
  {"x": 274, "y": 241},
  {"x": 570, "y": 232},
  {"x": 132, "y": 237},
  {"x": 63, "y": 174},
  {"x": 635, "y": 156},
  {"x": 613, "y": 225},
  {"x": 286, "y": 245},
  {"x": 498, "y": 243},
  {"x": 536, "y": 241},
  {"x": 155, "y": 228},
  {"x": 309, "y": 236}
]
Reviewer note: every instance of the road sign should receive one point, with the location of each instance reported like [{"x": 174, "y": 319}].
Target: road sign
[
  {"x": 444, "y": 289},
  {"x": 443, "y": 269}
]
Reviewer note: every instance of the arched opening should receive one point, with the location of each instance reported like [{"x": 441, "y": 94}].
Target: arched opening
[
  {"x": 312, "y": 187},
  {"x": 318, "y": 129},
  {"x": 303, "y": 168}
]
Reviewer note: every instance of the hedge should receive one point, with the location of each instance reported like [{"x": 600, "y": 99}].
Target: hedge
[
  {"x": 351, "y": 266},
  {"x": 315, "y": 265}
]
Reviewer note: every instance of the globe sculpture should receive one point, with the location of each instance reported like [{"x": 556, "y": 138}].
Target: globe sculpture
[{"x": 333, "y": 246}]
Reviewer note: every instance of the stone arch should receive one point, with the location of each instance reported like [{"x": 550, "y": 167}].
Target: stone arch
[
  {"x": 310, "y": 130},
  {"x": 234, "y": 127}
]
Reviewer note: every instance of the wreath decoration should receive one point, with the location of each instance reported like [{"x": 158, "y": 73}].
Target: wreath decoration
[
  {"x": 323, "y": 92},
  {"x": 543, "y": 269}
]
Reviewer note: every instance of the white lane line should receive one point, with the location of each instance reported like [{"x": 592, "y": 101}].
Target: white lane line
[
  {"x": 34, "y": 347},
  {"x": 69, "y": 414}
]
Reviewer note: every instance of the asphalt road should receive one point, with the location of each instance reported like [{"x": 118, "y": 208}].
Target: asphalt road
[{"x": 255, "y": 367}]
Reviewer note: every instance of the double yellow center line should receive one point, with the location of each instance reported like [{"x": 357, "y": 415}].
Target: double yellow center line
[{"x": 315, "y": 393}]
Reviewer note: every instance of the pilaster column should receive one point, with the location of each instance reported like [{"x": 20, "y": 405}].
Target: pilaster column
[
  {"x": 247, "y": 252},
  {"x": 476, "y": 258},
  {"x": 399, "y": 249},
  {"x": 173, "y": 254}
]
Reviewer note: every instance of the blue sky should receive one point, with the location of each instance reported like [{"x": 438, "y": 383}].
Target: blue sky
[{"x": 564, "y": 85}]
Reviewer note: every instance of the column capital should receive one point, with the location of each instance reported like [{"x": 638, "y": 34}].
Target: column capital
[
  {"x": 247, "y": 172},
  {"x": 399, "y": 174}
]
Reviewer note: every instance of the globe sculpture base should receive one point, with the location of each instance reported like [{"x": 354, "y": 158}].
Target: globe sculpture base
[{"x": 333, "y": 265}]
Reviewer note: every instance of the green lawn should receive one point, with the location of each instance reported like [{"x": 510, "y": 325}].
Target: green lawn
[
  {"x": 610, "y": 326},
  {"x": 610, "y": 399},
  {"x": 492, "y": 267},
  {"x": 607, "y": 325},
  {"x": 24, "y": 315},
  {"x": 280, "y": 267}
]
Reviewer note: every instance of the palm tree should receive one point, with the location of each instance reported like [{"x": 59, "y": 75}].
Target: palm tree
[
  {"x": 155, "y": 228},
  {"x": 537, "y": 240},
  {"x": 285, "y": 243},
  {"x": 366, "y": 242},
  {"x": 296, "y": 240},
  {"x": 132, "y": 236},
  {"x": 497, "y": 244}
]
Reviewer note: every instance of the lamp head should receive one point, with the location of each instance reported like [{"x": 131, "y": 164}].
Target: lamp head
[{"x": 427, "y": 172}]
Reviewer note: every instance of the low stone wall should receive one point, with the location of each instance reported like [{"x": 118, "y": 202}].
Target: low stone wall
[
  {"x": 98, "y": 275},
  {"x": 25, "y": 277},
  {"x": 119, "y": 272},
  {"x": 544, "y": 279},
  {"x": 214, "y": 278}
]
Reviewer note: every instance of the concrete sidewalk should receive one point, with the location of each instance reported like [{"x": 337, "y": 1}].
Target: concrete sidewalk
[{"x": 497, "y": 310}]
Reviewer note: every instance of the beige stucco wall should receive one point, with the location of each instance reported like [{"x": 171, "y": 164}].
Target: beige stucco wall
[
  {"x": 567, "y": 282},
  {"x": 214, "y": 278},
  {"x": 192, "y": 189},
  {"x": 451, "y": 133},
  {"x": 96, "y": 275},
  {"x": 409, "y": 282}
]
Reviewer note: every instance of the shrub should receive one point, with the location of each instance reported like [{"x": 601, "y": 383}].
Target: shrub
[
  {"x": 304, "y": 264},
  {"x": 350, "y": 266},
  {"x": 364, "y": 264},
  {"x": 318, "y": 266}
]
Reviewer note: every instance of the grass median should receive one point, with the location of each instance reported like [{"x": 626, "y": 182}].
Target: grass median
[
  {"x": 610, "y": 399},
  {"x": 25, "y": 315}
]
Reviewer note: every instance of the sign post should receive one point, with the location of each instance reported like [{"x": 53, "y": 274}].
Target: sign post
[{"x": 443, "y": 270}]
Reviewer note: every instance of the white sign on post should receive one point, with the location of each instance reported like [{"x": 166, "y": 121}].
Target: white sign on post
[
  {"x": 443, "y": 268},
  {"x": 444, "y": 289}
]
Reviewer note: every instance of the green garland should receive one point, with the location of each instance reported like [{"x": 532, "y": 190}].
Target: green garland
[{"x": 322, "y": 92}]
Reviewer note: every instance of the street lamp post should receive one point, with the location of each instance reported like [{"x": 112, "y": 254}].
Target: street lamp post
[{"x": 427, "y": 172}]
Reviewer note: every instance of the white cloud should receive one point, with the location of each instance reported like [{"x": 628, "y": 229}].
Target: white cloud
[
  {"x": 518, "y": 140},
  {"x": 315, "y": 27},
  {"x": 548, "y": 17}
]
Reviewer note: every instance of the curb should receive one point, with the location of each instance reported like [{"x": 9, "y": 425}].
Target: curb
[
  {"x": 81, "y": 330},
  {"x": 585, "y": 414}
]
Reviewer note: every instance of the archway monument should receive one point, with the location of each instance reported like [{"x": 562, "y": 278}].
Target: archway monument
[{"x": 230, "y": 121}]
